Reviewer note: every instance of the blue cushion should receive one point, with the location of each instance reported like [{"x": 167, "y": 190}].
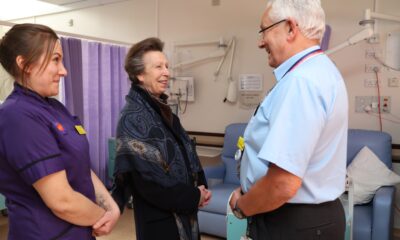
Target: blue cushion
[
  {"x": 379, "y": 142},
  {"x": 220, "y": 196}
]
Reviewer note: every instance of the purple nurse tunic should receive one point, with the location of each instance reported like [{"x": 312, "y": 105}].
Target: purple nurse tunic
[{"x": 38, "y": 137}]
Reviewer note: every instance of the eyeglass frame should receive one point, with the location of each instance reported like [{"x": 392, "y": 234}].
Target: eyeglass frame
[{"x": 270, "y": 26}]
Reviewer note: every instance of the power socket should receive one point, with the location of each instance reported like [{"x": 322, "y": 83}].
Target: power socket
[
  {"x": 393, "y": 82},
  {"x": 371, "y": 104},
  {"x": 371, "y": 68},
  {"x": 371, "y": 83},
  {"x": 182, "y": 89},
  {"x": 386, "y": 104},
  {"x": 373, "y": 52}
]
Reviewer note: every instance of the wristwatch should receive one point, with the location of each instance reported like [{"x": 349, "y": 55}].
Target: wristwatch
[{"x": 237, "y": 211}]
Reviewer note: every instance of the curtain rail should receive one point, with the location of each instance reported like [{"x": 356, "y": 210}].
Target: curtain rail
[{"x": 68, "y": 34}]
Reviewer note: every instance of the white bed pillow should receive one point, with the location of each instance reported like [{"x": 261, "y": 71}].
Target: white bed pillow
[{"x": 368, "y": 173}]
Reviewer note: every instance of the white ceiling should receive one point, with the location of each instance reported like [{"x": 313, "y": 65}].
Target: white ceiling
[
  {"x": 65, "y": 2},
  {"x": 80, "y": 2},
  {"x": 12, "y": 10}
]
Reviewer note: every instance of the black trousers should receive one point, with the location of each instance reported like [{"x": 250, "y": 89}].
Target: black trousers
[{"x": 325, "y": 221}]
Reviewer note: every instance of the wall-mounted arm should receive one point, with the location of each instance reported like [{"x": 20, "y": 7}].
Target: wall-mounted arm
[
  {"x": 375, "y": 15},
  {"x": 216, "y": 73},
  {"x": 362, "y": 35},
  {"x": 219, "y": 42},
  {"x": 367, "y": 32},
  {"x": 221, "y": 52},
  {"x": 217, "y": 54},
  {"x": 231, "y": 95}
]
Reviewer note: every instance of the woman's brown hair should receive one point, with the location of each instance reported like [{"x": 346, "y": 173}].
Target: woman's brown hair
[
  {"x": 29, "y": 41},
  {"x": 134, "y": 64}
]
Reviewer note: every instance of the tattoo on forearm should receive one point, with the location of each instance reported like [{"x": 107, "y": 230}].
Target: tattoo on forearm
[{"x": 102, "y": 202}]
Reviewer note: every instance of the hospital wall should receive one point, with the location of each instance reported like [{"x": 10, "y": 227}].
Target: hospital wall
[
  {"x": 192, "y": 20},
  {"x": 196, "y": 20}
]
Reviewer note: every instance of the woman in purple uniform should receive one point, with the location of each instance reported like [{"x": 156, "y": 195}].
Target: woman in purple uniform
[{"x": 45, "y": 170}]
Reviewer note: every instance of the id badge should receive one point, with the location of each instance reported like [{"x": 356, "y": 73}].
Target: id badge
[
  {"x": 240, "y": 145},
  {"x": 80, "y": 129},
  {"x": 238, "y": 155}
]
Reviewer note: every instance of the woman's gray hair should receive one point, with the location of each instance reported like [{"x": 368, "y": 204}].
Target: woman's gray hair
[
  {"x": 308, "y": 13},
  {"x": 134, "y": 64}
]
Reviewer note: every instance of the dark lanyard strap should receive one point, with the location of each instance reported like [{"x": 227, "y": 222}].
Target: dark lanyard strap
[
  {"x": 303, "y": 58},
  {"x": 296, "y": 64}
]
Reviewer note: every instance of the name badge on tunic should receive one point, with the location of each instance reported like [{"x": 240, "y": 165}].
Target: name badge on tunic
[
  {"x": 240, "y": 145},
  {"x": 80, "y": 129}
]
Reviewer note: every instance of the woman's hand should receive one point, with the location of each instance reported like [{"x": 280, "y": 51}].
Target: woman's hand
[
  {"x": 105, "y": 224},
  {"x": 65, "y": 202},
  {"x": 205, "y": 196}
]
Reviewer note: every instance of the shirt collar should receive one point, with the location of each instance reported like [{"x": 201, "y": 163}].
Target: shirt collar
[
  {"x": 281, "y": 70},
  {"x": 21, "y": 90}
]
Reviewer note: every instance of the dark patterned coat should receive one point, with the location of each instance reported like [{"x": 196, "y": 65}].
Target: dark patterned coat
[{"x": 157, "y": 163}]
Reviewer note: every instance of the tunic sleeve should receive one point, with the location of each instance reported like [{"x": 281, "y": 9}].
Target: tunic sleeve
[{"x": 31, "y": 147}]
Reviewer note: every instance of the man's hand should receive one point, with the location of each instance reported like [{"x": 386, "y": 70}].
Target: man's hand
[{"x": 235, "y": 196}]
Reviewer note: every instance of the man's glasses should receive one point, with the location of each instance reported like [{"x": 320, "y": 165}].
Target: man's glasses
[{"x": 261, "y": 32}]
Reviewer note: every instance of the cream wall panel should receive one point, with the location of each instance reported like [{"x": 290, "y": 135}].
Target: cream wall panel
[{"x": 193, "y": 20}]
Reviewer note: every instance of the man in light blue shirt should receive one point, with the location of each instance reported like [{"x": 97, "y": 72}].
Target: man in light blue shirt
[{"x": 294, "y": 163}]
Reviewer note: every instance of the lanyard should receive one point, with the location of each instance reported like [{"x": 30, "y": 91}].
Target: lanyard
[
  {"x": 296, "y": 64},
  {"x": 303, "y": 59}
]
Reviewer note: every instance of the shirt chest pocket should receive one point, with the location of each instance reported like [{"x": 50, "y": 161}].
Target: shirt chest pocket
[{"x": 71, "y": 136}]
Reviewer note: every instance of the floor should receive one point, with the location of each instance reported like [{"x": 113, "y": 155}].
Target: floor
[{"x": 124, "y": 230}]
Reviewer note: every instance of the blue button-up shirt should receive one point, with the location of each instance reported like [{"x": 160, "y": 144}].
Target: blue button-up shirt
[{"x": 301, "y": 126}]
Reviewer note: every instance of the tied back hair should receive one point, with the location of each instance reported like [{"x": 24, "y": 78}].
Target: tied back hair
[
  {"x": 134, "y": 64},
  {"x": 30, "y": 41}
]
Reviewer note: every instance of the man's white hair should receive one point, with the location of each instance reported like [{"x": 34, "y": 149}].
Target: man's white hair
[{"x": 308, "y": 13}]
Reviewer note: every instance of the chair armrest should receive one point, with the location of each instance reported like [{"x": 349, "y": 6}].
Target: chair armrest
[
  {"x": 217, "y": 171},
  {"x": 214, "y": 174},
  {"x": 382, "y": 214}
]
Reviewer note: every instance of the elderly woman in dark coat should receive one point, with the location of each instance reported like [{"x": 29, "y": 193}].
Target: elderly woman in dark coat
[{"x": 156, "y": 160}]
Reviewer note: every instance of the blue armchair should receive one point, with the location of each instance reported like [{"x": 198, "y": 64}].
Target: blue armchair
[
  {"x": 222, "y": 180},
  {"x": 374, "y": 220},
  {"x": 3, "y": 209}
]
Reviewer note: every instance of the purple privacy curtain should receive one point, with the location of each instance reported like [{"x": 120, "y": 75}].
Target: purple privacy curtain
[
  {"x": 105, "y": 85},
  {"x": 101, "y": 89},
  {"x": 72, "y": 49}
]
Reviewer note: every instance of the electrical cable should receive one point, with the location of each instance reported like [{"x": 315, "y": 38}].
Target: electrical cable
[
  {"x": 384, "y": 64},
  {"x": 386, "y": 119},
  {"x": 379, "y": 98},
  {"x": 187, "y": 98},
  {"x": 178, "y": 98}
]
